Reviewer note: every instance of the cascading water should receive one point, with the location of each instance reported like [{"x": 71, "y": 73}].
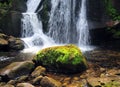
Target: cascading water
[
  {"x": 68, "y": 23},
  {"x": 82, "y": 26},
  {"x": 60, "y": 23},
  {"x": 32, "y": 33}
]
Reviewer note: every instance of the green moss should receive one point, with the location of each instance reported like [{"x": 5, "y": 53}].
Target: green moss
[{"x": 65, "y": 56}]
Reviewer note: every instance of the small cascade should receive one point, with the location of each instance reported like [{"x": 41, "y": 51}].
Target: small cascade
[{"x": 32, "y": 33}]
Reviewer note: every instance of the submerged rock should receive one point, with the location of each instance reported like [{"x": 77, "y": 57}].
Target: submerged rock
[
  {"x": 65, "y": 59},
  {"x": 17, "y": 69}
]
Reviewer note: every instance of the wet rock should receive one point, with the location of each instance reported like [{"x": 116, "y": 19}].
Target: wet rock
[
  {"x": 8, "y": 43},
  {"x": 22, "y": 78},
  {"x": 37, "y": 80},
  {"x": 17, "y": 69},
  {"x": 3, "y": 41},
  {"x": 24, "y": 85},
  {"x": 100, "y": 81},
  {"x": 4, "y": 61},
  {"x": 38, "y": 71},
  {"x": 6, "y": 85},
  {"x": 75, "y": 85},
  {"x": 12, "y": 82},
  {"x": 49, "y": 82},
  {"x": 15, "y": 43},
  {"x": 65, "y": 59}
]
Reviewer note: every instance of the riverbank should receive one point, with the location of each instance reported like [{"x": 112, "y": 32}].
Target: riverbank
[{"x": 103, "y": 71}]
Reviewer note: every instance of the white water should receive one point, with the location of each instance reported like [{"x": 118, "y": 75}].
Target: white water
[
  {"x": 63, "y": 26},
  {"x": 60, "y": 21},
  {"x": 82, "y": 26},
  {"x": 32, "y": 33}
]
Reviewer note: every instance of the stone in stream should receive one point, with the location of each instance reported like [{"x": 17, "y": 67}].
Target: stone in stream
[
  {"x": 49, "y": 82},
  {"x": 38, "y": 71},
  {"x": 17, "y": 69},
  {"x": 24, "y": 85},
  {"x": 8, "y": 43},
  {"x": 65, "y": 59}
]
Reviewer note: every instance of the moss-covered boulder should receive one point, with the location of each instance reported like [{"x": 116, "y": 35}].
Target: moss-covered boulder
[{"x": 65, "y": 59}]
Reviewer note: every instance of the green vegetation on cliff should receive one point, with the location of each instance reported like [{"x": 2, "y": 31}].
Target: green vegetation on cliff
[
  {"x": 6, "y": 4},
  {"x": 111, "y": 10},
  {"x": 114, "y": 15}
]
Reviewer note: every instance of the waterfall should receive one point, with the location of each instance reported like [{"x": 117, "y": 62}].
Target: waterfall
[
  {"x": 32, "y": 33},
  {"x": 60, "y": 23},
  {"x": 68, "y": 23},
  {"x": 82, "y": 26}
]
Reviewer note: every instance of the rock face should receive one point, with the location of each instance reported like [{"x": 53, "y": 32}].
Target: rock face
[
  {"x": 17, "y": 69},
  {"x": 8, "y": 43},
  {"x": 10, "y": 23},
  {"x": 19, "y": 5},
  {"x": 10, "y": 17},
  {"x": 66, "y": 59},
  {"x": 96, "y": 14}
]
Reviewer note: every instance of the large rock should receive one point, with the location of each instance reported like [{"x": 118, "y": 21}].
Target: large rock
[
  {"x": 3, "y": 42},
  {"x": 8, "y": 43},
  {"x": 17, "y": 69},
  {"x": 66, "y": 59},
  {"x": 15, "y": 43}
]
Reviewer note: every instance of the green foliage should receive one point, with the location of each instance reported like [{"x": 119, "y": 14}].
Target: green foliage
[
  {"x": 115, "y": 16},
  {"x": 112, "y": 12},
  {"x": 6, "y": 5}
]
